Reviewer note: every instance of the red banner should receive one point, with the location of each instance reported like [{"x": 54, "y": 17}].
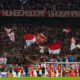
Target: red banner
[{"x": 39, "y": 13}]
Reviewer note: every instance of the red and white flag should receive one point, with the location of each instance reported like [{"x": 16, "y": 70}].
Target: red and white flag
[
  {"x": 8, "y": 30},
  {"x": 11, "y": 36},
  {"x": 67, "y": 30},
  {"x": 55, "y": 48},
  {"x": 40, "y": 38},
  {"x": 74, "y": 45},
  {"x": 29, "y": 39}
]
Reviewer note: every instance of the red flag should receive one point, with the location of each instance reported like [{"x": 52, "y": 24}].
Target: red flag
[
  {"x": 40, "y": 38},
  {"x": 55, "y": 48},
  {"x": 29, "y": 39}
]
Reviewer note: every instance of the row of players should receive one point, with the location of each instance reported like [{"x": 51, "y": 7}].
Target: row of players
[
  {"x": 65, "y": 70},
  {"x": 68, "y": 70},
  {"x": 60, "y": 70}
]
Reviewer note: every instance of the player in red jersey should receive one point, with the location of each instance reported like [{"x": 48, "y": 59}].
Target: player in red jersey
[
  {"x": 59, "y": 70},
  {"x": 21, "y": 70},
  {"x": 55, "y": 71},
  {"x": 69, "y": 71},
  {"x": 16, "y": 70},
  {"x": 49, "y": 71},
  {"x": 75, "y": 71},
  {"x": 50, "y": 66},
  {"x": 32, "y": 70},
  {"x": 79, "y": 69}
]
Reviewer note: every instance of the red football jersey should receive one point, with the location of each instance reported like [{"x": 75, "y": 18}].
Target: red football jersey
[
  {"x": 69, "y": 70},
  {"x": 55, "y": 70},
  {"x": 48, "y": 68},
  {"x": 16, "y": 68},
  {"x": 78, "y": 67},
  {"x": 31, "y": 69},
  {"x": 59, "y": 69},
  {"x": 21, "y": 70}
]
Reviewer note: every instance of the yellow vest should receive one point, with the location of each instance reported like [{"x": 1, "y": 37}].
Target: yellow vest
[
  {"x": 37, "y": 69},
  {"x": 64, "y": 68}
]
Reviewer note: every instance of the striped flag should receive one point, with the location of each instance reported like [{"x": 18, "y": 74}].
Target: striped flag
[
  {"x": 10, "y": 33},
  {"x": 29, "y": 39},
  {"x": 55, "y": 48}
]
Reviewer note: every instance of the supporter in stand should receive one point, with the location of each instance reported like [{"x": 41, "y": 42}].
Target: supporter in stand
[{"x": 39, "y": 5}]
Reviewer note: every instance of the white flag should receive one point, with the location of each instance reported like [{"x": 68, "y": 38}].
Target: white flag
[
  {"x": 11, "y": 36},
  {"x": 8, "y": 30},
  {"x": 73, "y": 42}
]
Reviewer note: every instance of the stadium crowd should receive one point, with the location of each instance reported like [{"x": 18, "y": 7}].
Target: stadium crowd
[
  {"x": 16, "y": 52},
  {"x": 40, "y": 5},
  {"x": 18, "y": 55},
  {"x": 21, "y": 58}
]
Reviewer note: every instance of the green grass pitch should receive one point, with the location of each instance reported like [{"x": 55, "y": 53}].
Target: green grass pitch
[{"x": 42, "y": 78}]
